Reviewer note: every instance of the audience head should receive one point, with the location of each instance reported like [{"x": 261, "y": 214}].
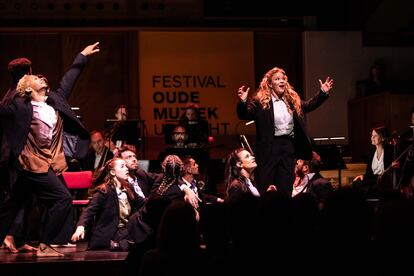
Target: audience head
[
  {"x": 172, "y": 166},
  {"x": 192, "y": 113},
  {"x": 299, "y": 168},
  {"x": 379, "y": 136},
  {"x": 116, "y": 175},
  {"x": 116, "y": 170},
  {"x": 130, "y": 158},
  {"x": 121, "y": 112},
  {"x": 240, "y": 163},
  {"x": 180, "y": 136},
  {"x": 18, "y": 68},
  {"x": 377, "y": 70},
  {"x": 190, "y": 167},
  {"x": 97, "y": 141},
  {"x": 178, "y": 234}
]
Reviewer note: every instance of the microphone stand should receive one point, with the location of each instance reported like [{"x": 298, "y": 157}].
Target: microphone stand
[
  {"x": 339, "y": 166},
  {"x": 245, "y": 144}
]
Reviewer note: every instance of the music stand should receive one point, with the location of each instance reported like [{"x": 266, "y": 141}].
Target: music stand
[
  {"x": 127, "y": 131},
  {"x": 331, "y": 155}
]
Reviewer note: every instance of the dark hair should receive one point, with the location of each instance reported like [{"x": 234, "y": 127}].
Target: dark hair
[
  {"x": 383, "y": 133},
  {"x": 125, "y": 148},
  {"x": 412, "y": 110},
  {"x": 314, "y": 165},
  {"x": 120, "y": 106},
  {"x": 18, "y": 68},
  {"x": 93, "y": 132},
  {"x": 186, "y": 163},
  {"x": 233, "y": 172}
]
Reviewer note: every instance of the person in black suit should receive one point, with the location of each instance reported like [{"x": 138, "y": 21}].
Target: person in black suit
[
  {"x": 140, "y": 180},
  {"x": 380, "y": 159},
  {"x": 278, "y": 113},
  {"x": 98, "y": 155},
  {"x": 240, "y": 166},
  {"x": 311, "y": 181},
  {"x": 14, "y": 241},
  {"x": 36, "y": 150},
  {"x": 112, "y": 204},
  {"x": 189, "y": 175},
  {"x": 169, "y": 187},
  {"x": 196, "y": 127}
]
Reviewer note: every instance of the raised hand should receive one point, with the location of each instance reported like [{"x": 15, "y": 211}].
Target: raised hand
[
  {"x": 327, "y": 85},
  {"x": 243, "y": 92},
  {"x": 91, "y": 49}
]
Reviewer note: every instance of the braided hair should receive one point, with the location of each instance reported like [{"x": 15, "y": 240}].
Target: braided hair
[{"x": 172, "y": 167}]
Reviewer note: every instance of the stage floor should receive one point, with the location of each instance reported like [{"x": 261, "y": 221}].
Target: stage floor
[{"x": 77, "y": 261}]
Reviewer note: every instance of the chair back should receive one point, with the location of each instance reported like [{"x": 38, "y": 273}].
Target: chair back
[{"x": 78, "y": 180}]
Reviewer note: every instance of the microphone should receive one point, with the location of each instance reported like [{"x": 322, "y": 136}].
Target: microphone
[{"x": 245, "y": 144}]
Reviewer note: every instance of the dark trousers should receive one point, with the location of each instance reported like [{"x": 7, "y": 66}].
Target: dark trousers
[
  {"x": 52, "y": 193},
  {"x": 279, "y": 169}
]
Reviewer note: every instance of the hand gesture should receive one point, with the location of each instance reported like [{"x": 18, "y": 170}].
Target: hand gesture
[
  {"x": 79, "y": 234},
  {"x": 395, "y": 164},
  {"x": 91, "y": 49},
  {"x": 359, "y": 177},
  {"x": 242, "y": 93},
  {"x": 271, "y": 188},
  {"x": 327, "y": 85},
  {"x": 191, "y": 197}
]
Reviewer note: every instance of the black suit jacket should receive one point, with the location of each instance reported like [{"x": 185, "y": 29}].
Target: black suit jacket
[
  {"x": 320, "y": 188},
  {"x": 265, "y": 126},
  {"x": 88, "y": 163},
  {"x": 388, "y": 157},
  {"x": 20, "y": 113},
  {"x": 103, "y": 212},
  {"x": 205, "y": 198},
  {"x": 147, "y": 180}
]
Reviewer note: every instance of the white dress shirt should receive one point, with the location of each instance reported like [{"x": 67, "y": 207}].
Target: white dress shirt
[{"x": 283, "y": 118}]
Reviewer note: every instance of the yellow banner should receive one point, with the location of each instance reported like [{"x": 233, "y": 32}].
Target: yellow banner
[{"x": 205, "y": 68}]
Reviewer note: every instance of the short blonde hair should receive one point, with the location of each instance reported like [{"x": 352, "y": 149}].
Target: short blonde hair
[{"x": 24, "y": 87}]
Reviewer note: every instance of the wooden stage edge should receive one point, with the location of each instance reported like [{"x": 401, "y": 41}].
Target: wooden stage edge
[{"x": 77, "y": 261}]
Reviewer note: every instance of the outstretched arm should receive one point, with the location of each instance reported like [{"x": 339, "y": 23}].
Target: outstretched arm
[
  {"x": 69, "y": 79},
  {"x": 320, "y": 97},
  {"x": 245, "y": 109}
]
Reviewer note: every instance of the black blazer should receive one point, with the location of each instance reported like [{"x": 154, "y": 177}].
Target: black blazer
[
  {"x": 20, "y": 114},
  {"x": 103, "y": 212},
  {"x": 265, "y": 125},
  {"x": 237, "y": 192},
  {"x": 88, "y": 163},
  {"x": 205, "y": 198},
  {"x": 147, "y": 180},
  {"x": 320, "y": 188}
]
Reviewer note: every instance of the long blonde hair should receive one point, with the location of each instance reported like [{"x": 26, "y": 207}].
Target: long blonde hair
[{"x": 291, "y": 98}]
